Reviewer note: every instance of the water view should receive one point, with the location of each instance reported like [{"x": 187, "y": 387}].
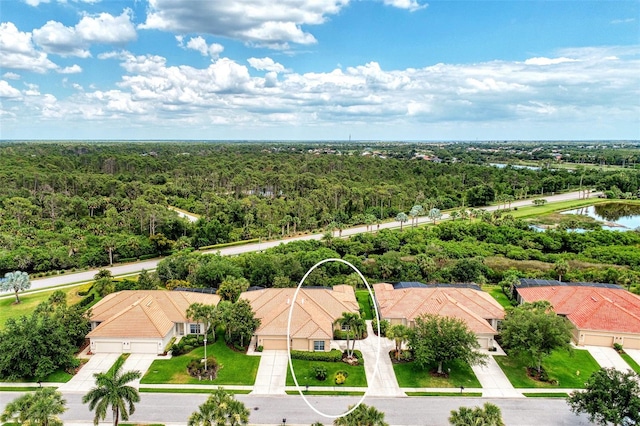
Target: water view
[{"x": 615, "y": 216}]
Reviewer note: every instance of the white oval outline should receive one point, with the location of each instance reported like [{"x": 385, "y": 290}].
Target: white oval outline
[{"x": 293, "y": 374}]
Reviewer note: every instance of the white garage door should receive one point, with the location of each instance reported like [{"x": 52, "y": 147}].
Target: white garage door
[
  {"x": 274, "y": 344},
  {"x": 144, "y": 347},
  {"x": 108, "y": 347},
  {"x": 631, "y": 343},
  {"x": 597, "y": 340}
]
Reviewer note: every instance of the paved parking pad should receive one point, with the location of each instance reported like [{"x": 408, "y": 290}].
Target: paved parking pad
[
  {"x": 608, "y": 358},
  {"x": 84, "y": 380},
  {"x": 139, "y": 362},
  {"x": 494, "y": 382},
  {"x": 272, "y": 373}
]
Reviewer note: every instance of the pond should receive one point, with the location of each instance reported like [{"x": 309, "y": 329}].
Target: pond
[
  {"x": 616, "y": 216},
  {"x": 515, "y": 166}
]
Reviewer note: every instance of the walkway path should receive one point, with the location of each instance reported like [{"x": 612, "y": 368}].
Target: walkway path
[
  {"x": 494, "y": 382},
  {"x": 272, "y": 373},
  {"x": 382, "y": 382},
  {"x": 608, "y": 358},
  {"x": 84, "y": 380}
]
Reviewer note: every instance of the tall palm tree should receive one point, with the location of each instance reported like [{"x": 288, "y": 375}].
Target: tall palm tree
[
  {"x": 353, "y": 325},
  {"x": 40, "y": 408},
  {"x": 402, "y": 218},
  {"x": 111, "y": 390},
  {"x": 205, "y": 314},
  {"x": 220, "y": 409},
  {"x": 363, "y": 415},
  {"x": 400, "y": 334}
]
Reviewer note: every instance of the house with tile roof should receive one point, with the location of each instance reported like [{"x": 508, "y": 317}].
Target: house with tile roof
[
  {"x": 312, "y": 320},
  {"x": 601, "y": 314},
  {"x": 402, "y": 303},
  {"x": 143, "y": 321}
]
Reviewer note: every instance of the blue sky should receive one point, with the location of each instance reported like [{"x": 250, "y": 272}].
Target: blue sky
[{"x": 319, "y": 69}]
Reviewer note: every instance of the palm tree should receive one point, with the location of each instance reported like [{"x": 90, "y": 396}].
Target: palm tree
[
  {"x": 352, "y": 324},
  {"x": 220, "y": 409},
  {"x": 111, "y": 390},
  {"x": 40, "y": 408},
  {"x": 205, "y": 314},
  {"x": 489, "y": 415},
  {"x": 561, "y": 267},
  {"x": 400, "y": 334},
  {"x": 363, "y": 415},
  {"x": 435, "y": 214},
  {"x": 402, "y": 218}
]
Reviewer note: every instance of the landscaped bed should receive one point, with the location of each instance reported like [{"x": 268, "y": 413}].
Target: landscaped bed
[
  {"x": 461, "y": 374},
  {"x": 564, "y": 370},
  {"x": 235, "y": 368}
]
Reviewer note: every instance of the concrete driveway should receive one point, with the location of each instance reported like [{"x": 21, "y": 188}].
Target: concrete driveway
[
  {"x": 382, "y": 382},
  {"x": 634, "y": 354},
  {"x": 139, "y": 362},
  {"x": 494, "y": 382},
  {"x": 272, "y": 373},
  {"x": 608, "y": 358},
  {"x": 84, "y": 380}
]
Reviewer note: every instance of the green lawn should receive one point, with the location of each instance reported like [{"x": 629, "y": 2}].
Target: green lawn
[
  {"x": 364, "y": 301},
  {"x": 326, "y": 393},
  {"x": 29, "y": 301},
  {"x": 545, "y": 394},
  {"x": 305, "y": 376},
  {"x": 570, "y": 370},
  {"x": 461, "y": 375},
  {"x": 634, "y": 365},
  {"x": 456, "y": 394},
  {"x": 496, "y": 292},
  {"x": 235, "y": 368},
  {"x": 173, "y": 390}
]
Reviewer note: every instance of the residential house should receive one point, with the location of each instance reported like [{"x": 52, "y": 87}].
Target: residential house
[
  {"x": 312, "y": 319},
  {"x": 601, "y": 314},
  {"x": 143, "y": 321},
  {"x": 403, "y": 302}
]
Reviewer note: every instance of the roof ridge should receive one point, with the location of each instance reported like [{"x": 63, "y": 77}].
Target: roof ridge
[{"x": 146, "y": 308}]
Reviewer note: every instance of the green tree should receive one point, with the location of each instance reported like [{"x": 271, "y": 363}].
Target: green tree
[
  {"x": 39, "y": 408},
  {"x": 363, "y": 415},
  {"x": 205, "y": 314},
  {"x": 561, "y": 267},
  {"x": 238, "y": 320},
  {"x": 353, "y": 325},
  {"x": 610, "y": 396},
  {"x": 399, "y": 333},
  {"x": 533, "y": 330},
  {"x": 220, "y": 409},
  {"x": 438, "y": 339},
  {"x": 231, "y": 287},
  {"x": 435, "y": 214},
  {"x": 15, "y": 281},
  {"x": 488, "y": 415},
  {"x": 402, "y": 218},
  {"x": 146, "y": 281},
  {"x": 112, "y": 390}
]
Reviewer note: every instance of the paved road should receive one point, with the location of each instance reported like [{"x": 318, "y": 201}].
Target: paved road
[
  {"x": 270, "y": 410},
  {"x": 132, "y": 268}
]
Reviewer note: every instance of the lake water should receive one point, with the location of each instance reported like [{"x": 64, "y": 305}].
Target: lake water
[
  {"x": 515, "y": 166},
  {"x": 626, "y": 216}
]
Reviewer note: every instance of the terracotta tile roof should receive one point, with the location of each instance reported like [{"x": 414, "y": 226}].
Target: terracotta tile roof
[
  {"x": 313, "y": 315},
  {"x": 591, "y": 308},
  {"x": 475, "y": 307},
  {"x": 143, "y": 313}
]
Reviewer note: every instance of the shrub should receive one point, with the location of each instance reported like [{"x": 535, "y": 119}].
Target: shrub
[
  {"x": 260, "y": 348},
  {"x": 320, "y": 372},
  {"x": 384, "y": 326},
  {"x": 341, "y": 377},
  {"x": 618, "y": 348},
  {"x": 334, "y": 355},
  {"x": 196, "y": 368}
]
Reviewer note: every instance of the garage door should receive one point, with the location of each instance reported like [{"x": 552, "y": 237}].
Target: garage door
[
  {"x": 144, "y": 347},
  {"x": 274, "y": 344},
  {"x": 108, "y": 347},
  {"x": 631, "y": 343},
  {"x": 597, "y": 340}
]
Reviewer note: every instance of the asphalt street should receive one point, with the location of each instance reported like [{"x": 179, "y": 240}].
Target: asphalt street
[{"x": 271, "y": 410}]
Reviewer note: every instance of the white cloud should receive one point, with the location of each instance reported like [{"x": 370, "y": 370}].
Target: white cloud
[
  {"x": 9, "y": 92},
  {"x": 623, "y": 21},
  {"x": 17, "y": 51},
  {"x": 410, "y": 5},
  {"x": 259, "y": 22},
  {"x": 54, "y": 37},
  {"x": 11, "y": 76},
  {"x": 548, "y": 61},
  {"x": 266, "y": 64},
  {"x": 200, "y": 44},
  {"x": 74, "y": 69}
]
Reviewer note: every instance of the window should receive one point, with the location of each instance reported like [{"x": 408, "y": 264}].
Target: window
[
  {"x": 194, "y": 328},
  {"x": 344, "y": 327},
  {"x": 318, "y": 345}
]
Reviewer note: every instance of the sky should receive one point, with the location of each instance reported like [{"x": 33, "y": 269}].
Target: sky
[{"x": 319, "y": 70}]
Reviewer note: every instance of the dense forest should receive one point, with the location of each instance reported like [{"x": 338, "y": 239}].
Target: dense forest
[{"x": 74, "y": 205}]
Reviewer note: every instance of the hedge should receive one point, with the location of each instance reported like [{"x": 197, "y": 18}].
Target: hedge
[{"x": 334, "y": 355}]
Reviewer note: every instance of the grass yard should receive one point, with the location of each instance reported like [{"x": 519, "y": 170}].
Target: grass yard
[
  {"x": 532, "y": 211},
  {"x": 570, "y": 370},
  {"x": 545, "y": 394},
  {"x": 305, "y": 375},
  {"x": 29, "y": 301},
  {"x": 364, "y": 301},
  {"x": 456, "y": 394},
  {"x": 461, "y": 375},
  {"x": 496, "y": 292},
  {"x": 326, "y": 393},
  {"x": 634, "y": 365},
  {"x": 173, "y": 390},
  {"x": 235, "y": 368}
]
